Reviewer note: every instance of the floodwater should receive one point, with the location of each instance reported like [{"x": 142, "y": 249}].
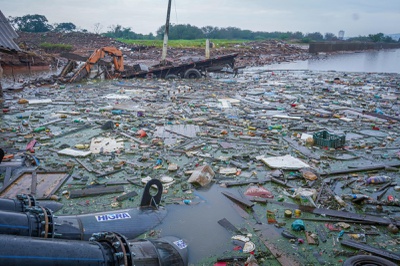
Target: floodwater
[
  {"x": 15, "y": 77},
  {"x": 197, "y": 224},
  {"x": 383, "y": 61}
]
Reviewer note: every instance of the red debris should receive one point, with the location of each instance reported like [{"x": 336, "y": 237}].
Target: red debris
[{"x": 258, "y": 191}]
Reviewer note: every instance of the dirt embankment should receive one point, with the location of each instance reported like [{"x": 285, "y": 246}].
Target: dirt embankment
[{"x": 83, "y": 44}]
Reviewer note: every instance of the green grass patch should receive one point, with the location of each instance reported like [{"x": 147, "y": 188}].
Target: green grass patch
[
  {"x": 199, "y": 43},
  {"x": 56, "y": 47}
]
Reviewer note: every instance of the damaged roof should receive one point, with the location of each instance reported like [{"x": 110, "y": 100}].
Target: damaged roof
[{"x": 7, "y": 36}]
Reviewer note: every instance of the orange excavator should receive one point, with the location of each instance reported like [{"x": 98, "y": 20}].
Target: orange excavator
[{"x": 84, "y": 70}]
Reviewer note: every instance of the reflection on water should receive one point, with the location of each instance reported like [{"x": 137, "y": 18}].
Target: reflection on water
[
  {"x": 16, "y": 76},
  {"x": 198, "y": 224},
  {"x": 384, "y": 61}
]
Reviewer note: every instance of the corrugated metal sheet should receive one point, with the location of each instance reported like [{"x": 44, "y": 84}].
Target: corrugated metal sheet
[{"x": 7, "y": 35}]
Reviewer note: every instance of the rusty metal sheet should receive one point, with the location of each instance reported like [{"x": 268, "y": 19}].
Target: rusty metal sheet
[
  {"x": 42, "y": 184},
  {"x": 7, "y": 36}
]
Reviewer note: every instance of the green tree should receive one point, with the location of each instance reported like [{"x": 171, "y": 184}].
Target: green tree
[
  {"x": 31, "y": 23},
  {"x": 65, "y": 27},
  {"x": 376, "y": 37},
  {"x": 388, "y": 39},
  {"x": 316, "y": 36},
  {"x": 330, "y": 36},
  {"x": 297, "y": 35}
]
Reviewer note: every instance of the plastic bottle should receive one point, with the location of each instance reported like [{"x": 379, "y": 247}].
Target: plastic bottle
[
  {"x": 82, "y": 146},
  {"x": 275, "y": 127},
  {"x": 39, "y": 129},
  {"x": 340, "y": 201},
  {"x": 354, "y": 196}
]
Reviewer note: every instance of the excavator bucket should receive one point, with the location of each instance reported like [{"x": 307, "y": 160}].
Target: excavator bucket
[{"x": 84, "y": 70}]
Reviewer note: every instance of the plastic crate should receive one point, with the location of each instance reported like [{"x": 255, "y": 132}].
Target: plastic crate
[{"x": 326, "y": 139}]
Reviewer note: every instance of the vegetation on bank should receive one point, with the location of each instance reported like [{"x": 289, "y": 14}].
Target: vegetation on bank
[
  {"x": 39, "y": 23},
  {"x": 56, "y": 47},
  {"x": 198, "y": 43}
]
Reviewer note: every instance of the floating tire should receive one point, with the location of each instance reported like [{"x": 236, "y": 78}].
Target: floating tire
[
  {"x": 192, "y": 73},
  {"x": 367, "y": 260}
]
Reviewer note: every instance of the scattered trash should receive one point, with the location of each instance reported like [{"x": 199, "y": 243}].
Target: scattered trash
[
  {"x": 298, "y": 225},
  {"x": 202, "y": 175}
]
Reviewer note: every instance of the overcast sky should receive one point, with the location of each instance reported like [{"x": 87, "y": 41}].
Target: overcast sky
[{"x": 355, "y": 17}]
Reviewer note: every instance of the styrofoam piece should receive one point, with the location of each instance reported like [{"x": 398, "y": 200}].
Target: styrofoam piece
[
  {"x": 284, "y": 162},
  {"x": 74, "y": 153},
  {"x": 39, "y": 101},
  {"x": 287, "y": 117},
  {"x": 98, "y": 145}
]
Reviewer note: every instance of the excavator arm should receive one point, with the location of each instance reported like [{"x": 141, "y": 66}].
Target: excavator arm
[{"x": 84, "y": 70}]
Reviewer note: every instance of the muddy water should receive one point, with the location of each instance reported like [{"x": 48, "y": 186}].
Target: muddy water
[
  {"x": 15, "y": 76},
  {"x": 384, "y": 61},
  {"x": 198, "y": 224}
]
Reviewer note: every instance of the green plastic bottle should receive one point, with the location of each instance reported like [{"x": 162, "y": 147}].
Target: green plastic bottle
[
  {"x": 275, "y": 127},
  {"x": 39, "y": 129}
]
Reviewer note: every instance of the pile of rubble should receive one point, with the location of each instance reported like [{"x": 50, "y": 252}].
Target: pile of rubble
[
  {"x": 250, "y": 53},
  {"x": 312, "y": 158}
]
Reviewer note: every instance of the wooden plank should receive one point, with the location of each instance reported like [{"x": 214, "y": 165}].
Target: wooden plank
[
  {"x": 110, "y": 173},
  {"x": 58, "y": 184},
  {"x": 373, "y": 250},
  {"x": 341, "y": 214},
  {"x": 34, "y": 183},
  {"x": 84, "y": 166},
  {"x": 131, "y": 137},
  {"x": 243, "y": 201},
  {"x": 228, "y": 226},
  {"x": 127, "y": 196},
  {"x": 241, "y": 183},
  {"x": 7, "y": 176},
  {"x": 95, "y": 191},
  {"x": 46, "y": 184},
  {"x": 360, "y": 169},
  {"x": 283, "y": 259}
]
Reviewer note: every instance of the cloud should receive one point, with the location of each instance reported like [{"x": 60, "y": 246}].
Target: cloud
[{"x": 356, "y": 17}]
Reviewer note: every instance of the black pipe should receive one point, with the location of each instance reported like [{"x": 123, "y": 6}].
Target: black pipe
[
  {"x": 24, "y": 201},
  {"x": 39, "y": 222},
  {"x": 103, "y": 249}
]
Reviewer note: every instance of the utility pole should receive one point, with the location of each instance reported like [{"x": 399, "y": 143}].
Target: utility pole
[{"x": 166, "y": 32}]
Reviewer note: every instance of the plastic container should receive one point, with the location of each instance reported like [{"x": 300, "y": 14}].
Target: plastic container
[{"x": 326, "y": 139}]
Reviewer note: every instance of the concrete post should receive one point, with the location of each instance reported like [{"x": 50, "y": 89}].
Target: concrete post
[
  {"x": 207, "y": 49},
  {"x": 165, "y": 42}
]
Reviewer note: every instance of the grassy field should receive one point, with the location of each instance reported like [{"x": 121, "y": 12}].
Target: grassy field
[{"x": 184, "y": 43}]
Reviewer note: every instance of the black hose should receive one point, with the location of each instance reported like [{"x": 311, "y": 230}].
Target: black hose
[
  {"x": 39, "y": 222},
  {"x": 105, "y": 248},
  {"x": 25, "y": 201}
]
